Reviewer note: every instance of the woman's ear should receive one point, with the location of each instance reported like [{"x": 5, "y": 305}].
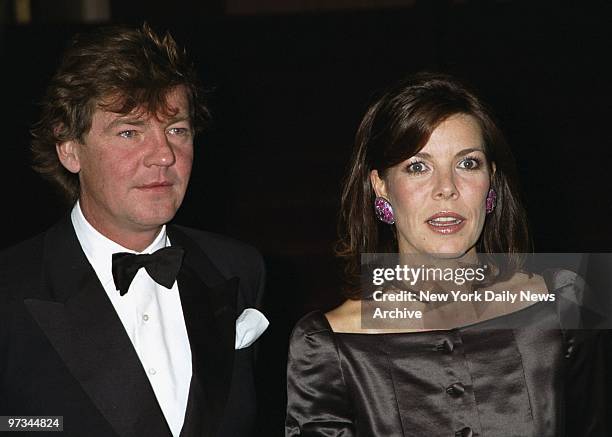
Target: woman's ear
[
  {"x": 67, "y": 152},
  {"x": 378, "y": 184}
]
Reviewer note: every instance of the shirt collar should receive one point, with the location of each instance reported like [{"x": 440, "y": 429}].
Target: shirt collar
[{"x": 99, "y": 249}]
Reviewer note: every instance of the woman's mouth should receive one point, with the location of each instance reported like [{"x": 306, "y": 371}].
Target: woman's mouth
[{"x": 446, "y": 222}]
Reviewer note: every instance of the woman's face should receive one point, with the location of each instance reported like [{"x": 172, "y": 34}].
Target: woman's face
[{"x": 438, "y": 195}]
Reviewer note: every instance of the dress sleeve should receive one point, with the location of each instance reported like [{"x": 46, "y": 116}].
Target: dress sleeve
[
  {"x": 588, "y": 354},
  {"x": 317, "y": 399},
  {"x": 588, "y": 383}
]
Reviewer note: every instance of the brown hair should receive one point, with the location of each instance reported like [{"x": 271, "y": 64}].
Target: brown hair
[
  {"x": 117, "y": 68},
  {"x": 395, "y": 128}
]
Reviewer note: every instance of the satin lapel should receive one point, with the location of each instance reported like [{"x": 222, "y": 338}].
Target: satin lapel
[
  {"x": 83, "y": 327},
  {"x": 209, "y": 308}
]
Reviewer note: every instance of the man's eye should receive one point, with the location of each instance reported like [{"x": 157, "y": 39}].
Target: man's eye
[
  {"x": 469, "y": 163},
  {"x": 127, "y": 134},
  {"x": 416, "y": 167}
]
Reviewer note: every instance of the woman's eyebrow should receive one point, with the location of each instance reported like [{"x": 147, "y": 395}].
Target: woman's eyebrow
[
  {"x": 423, "y": 155},
  {"x": 469, "y": 150},
  {"x": 462, "y": 152}
]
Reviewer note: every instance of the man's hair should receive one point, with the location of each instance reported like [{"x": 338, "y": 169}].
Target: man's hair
[{"x": 118, "y": 69}]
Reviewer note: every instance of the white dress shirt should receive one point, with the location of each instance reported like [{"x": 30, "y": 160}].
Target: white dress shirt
[{"x": 152, "y": 317}]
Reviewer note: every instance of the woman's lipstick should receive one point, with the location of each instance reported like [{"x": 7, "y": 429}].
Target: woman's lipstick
[{"x": 445, "y": 222}]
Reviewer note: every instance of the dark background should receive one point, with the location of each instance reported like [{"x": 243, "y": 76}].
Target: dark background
[{"x": 288, "y": 88}]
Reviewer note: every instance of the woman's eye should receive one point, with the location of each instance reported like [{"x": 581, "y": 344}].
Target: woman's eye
[
  {"x": 127, "y": 134},
  {"x": 469, "y": 164},
  {"x": 178, "y": 131},
  {"x": 416, "y": 167}
]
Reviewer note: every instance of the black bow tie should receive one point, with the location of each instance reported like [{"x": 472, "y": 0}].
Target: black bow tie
[{"x": 162, "y": 265}]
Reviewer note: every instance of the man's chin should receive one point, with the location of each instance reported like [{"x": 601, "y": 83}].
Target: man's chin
[{"x": 154, "y": 218}]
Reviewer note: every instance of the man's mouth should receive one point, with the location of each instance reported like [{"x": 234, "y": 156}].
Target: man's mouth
[{"x": 155, "y": 185}]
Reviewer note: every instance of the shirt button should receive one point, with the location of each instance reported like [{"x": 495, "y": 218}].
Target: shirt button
[
  {"x": 455, "y": 390},
  {"x": 152, "y": 371},
  {"x": 145, "y": 317},
  {"x": 465, "y": 432}
]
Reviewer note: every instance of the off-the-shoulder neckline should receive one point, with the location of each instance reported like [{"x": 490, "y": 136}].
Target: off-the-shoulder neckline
[{"x": 550, "y": 276}]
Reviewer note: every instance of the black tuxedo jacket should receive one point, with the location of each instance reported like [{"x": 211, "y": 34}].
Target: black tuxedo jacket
[{"x": 64, "y": 351}]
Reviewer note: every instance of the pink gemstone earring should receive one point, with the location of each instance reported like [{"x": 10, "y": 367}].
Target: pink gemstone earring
[
  {"x": 491, "y": 201},
  {"x": 384, "y": 210}
]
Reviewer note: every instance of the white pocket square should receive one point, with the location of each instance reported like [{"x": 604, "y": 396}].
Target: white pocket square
[{"x": 249, "y": 326}]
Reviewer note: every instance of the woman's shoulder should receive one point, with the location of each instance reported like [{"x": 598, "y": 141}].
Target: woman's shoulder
[
  {"x": 582, "y": 304},
  {"x": 562, "y": 279},
  {"x": 344, "y": 318},
  {"x": 312, "y": 343},
  {"x": 560, "y": 282},
  {"x": 311, "y": 324},
  {"x": 568, "y": 287}
]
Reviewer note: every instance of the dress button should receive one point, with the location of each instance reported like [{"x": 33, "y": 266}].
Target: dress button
[
  {"x": 145, "y": 317},
  {"x": 445, "y": 346},
  {"x": 455, "y": 390},
  {"x": 465, "y": 432},
  {"x": 570, "y": 347},
  {"x": 152, "y": 371}
]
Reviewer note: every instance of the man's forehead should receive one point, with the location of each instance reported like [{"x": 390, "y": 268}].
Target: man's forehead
[
  {"x": 143, "y": 114},
  {"x": 168, "y": 105}
]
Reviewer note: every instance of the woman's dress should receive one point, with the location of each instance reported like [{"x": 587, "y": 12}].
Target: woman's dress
[{"x": 540, "y": 380}]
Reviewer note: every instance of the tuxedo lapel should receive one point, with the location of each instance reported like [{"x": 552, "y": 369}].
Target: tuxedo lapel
[
  {"x": 209, "y": 308},
  {"x": 83, "y": 327}
]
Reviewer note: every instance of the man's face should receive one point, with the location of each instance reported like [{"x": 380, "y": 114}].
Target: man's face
[{"x": 133, "y": 169}]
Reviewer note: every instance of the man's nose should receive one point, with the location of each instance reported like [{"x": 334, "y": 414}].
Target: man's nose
[
  {"x": 445, "y": 186},
  {"x": 160, "y": 151}
]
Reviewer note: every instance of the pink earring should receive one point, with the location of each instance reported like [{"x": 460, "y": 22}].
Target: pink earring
[
  {"x": 384, "y": 210},
  {"x": 491, "y": 201}
]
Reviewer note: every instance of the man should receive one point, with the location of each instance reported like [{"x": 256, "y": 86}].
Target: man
[{"x": 154, "y": 344}]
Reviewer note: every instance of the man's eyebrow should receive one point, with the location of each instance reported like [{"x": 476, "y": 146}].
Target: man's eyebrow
[
  {"x": 134, "y": 121},
  {"x": 178, "y": 118},
  {"x": 138, "y": 121}
]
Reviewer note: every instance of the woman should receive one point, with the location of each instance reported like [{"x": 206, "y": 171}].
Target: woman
[{"x": 432, "y": 175}]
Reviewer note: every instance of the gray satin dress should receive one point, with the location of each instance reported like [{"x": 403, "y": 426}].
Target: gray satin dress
[{"x": 541, "y": 380}]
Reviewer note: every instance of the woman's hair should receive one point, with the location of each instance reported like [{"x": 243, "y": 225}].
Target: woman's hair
[
  {"x": 396, "y": 127},
  {"x": 118, "y": 69}
]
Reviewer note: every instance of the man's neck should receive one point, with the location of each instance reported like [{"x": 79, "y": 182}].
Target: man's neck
[{"x": 133, "y": 239}]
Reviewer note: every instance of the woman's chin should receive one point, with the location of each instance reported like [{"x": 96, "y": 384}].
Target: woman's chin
[
  {"x": 442, "y": 247},
  {"x": 448, "y": 251}
]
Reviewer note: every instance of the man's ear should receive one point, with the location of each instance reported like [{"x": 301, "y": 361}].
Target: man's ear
[
  {"x": 379, "y": 185},
  {"x": 67, "y": 153}
]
